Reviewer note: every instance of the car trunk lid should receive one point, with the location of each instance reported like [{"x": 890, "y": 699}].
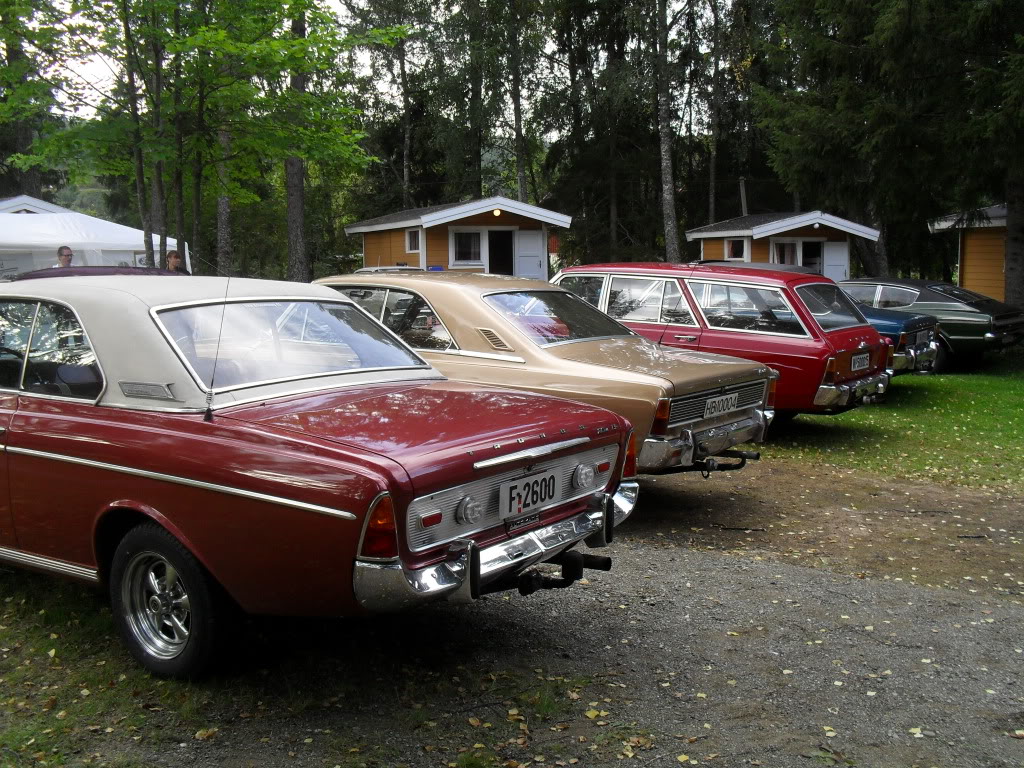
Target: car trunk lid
[
  {"x": 859, "y": 352},
  {"x": 682, "y": 371}
]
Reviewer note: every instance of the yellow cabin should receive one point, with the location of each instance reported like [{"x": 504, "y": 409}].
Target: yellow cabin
[
  {"x": 495, "y": 235},
  {"x": 981, "y": 246}
]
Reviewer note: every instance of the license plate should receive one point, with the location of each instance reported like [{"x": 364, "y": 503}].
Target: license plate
[
  {"x": 860, "y": 362},
  {"x": 520, "y": 497},
  {"x": 723, "y": 404},
  {"x": 922, "y": 337}
]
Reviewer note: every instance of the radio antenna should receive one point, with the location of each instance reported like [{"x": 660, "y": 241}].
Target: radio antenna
[{"x": 208, "y": 416}]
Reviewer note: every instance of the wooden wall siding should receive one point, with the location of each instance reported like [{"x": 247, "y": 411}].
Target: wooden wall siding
[
  {"x": 386, "y": 248},
  {"x": 982, "y": 266},
  {"x": 760, "y": 251}
]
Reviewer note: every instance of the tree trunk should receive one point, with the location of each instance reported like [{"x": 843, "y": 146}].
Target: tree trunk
[
  {"x": 159, "y": 195},
  {"x": 476, "y": 110},
  {"x": 1014, "y": 264},
  {"x": 668, "y": 185},
  {"x": 178, "y": 181},
  {"x": 713, "y": 111},
  {"x": 130, "y": 66},
  {"x": 225, "y": 252},
  {"x": 295, "y": 183},
  {"x": 29, "y": 181},
  {"x": 406, "y": 128},
  {"x": 517, "y": 102}
]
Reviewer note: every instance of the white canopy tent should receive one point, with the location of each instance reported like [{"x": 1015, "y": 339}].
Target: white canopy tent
[{"x": 30, "y": 241}]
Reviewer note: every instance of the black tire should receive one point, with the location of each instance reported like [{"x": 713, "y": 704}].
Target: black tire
[
  {"x": 943, "y": 359},
  {"x": 171, "y": 629},
  {"x": 784, "y": 417}
]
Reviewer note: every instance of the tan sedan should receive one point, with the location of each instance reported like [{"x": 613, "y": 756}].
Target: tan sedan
[{"x": 686, "y": 407}]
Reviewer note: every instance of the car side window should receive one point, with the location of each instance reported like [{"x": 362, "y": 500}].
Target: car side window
[
  {"x": 415, "y": 322},
  {"x": 674, "y": 307},
  {"x": 15, "y": 325},
  {"x": 745, "y": 308},
  {"x": 865, "y": 294},
  {"x": 61, "y": 361},
  {"x": 635, "y": 298},
  {"x": 891, "y": 296},
  {"x": 370, "y": 299},
  {"x": 587, "y": 287}
]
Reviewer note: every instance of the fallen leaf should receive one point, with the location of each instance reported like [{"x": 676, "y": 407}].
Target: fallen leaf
[{"x": 205, "y": 734}]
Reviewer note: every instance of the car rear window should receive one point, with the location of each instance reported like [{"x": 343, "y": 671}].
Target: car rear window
[
  {"x": 256, "y": 342},
  {"x": 832, "y": 309},
  {"x": 553, "y": 317}
]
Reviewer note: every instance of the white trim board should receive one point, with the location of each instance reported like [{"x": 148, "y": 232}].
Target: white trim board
[
  {"x": 472, "y": 208},
  {"x": 793, "y": 222}
]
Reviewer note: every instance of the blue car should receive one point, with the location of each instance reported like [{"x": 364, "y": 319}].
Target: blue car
[{"x": 914, "y": 337}]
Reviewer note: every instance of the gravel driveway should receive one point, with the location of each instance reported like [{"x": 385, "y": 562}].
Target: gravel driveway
[{"x": 710, "y": 643}]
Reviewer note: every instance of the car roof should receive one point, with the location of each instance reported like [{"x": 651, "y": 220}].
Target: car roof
[
  {"x": 111, "y": 307},
  {"x": 760, "y": 273},
  {"x": 468, "y": 282}
]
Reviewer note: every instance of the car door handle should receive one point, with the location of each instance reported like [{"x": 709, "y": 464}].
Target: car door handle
[{"x": 686, "y": 338}]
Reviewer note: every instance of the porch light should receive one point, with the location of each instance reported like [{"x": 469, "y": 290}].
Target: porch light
[{"x": 496, "y": 211}]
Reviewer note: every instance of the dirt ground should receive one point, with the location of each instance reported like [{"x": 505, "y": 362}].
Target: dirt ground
[{"x": 777, "y": 616}]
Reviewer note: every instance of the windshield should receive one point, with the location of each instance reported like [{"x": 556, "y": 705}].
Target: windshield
[
  {"x": 550, "y": 317},
  {"x": 245, "y": 343},
  {"x": 832, "y": 308}
]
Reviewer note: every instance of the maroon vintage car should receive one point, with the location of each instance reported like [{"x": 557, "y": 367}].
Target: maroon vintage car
[
  {"x": 193, "y": 444},
  {"x": 829, "y": 358}
]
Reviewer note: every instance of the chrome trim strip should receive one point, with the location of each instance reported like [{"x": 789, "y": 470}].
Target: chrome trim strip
[
  {"x": 481, "y": 355},
  {"x": 49, "y": 564},
  {"x": 28, "y": 348},
  {"x": 530, "y": 453},
  {"x": 186, "y": 481},
  {"x": 308, "y": 376}
]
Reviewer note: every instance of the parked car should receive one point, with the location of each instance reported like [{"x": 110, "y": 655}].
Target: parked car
[
  {"x": 802, "y": 325},
  {"x": 970, "y": 323},
  {"x": 687, "y": 407},
  {"x": 196, "y": 443},
  {"x": 914, "y": 337}
]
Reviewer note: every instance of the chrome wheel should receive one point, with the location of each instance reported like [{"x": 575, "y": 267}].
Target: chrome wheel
[{"x": 156, "y": 605}]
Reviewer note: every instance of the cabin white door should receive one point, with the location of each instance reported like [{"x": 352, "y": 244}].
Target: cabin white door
[
  {"x": 836, "y": 261},
  {"x": 531, "y": 259}
]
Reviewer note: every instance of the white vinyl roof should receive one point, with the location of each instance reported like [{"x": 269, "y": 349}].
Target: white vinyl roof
[{"x": 130, "y": 347}]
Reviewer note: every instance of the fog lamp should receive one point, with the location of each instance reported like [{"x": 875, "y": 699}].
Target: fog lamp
[
  {"x": 584, "y": 476},
  {"x": 469, "y": 511}
]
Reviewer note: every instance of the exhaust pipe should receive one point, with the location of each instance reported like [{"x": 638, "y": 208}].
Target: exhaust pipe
[{"x": 573, "y": 564}]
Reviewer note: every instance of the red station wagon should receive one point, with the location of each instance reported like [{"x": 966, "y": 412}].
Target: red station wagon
[{"x": 828, "y": 356}]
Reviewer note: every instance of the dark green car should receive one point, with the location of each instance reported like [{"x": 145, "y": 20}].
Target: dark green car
[{"x": 969, "y": 323}]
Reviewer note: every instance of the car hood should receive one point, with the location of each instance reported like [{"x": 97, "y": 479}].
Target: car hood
[
  {"x": 683, "y": 371},
  {"x": 892, "y": 321},
  {"x": 435, "y": 430}
]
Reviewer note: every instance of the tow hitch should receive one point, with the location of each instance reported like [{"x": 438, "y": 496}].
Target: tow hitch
[
  {"x": 573, "y": 564},
  {"x": 714, "y": 463}
]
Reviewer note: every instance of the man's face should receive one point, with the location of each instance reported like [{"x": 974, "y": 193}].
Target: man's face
[{"x": 64, "y": 258}]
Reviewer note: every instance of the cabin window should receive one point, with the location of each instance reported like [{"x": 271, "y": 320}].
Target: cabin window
[
  {"x": 736, "y": 249},
  {"x": 412, "y": 240},
  {"x": 466, "y": 249}
]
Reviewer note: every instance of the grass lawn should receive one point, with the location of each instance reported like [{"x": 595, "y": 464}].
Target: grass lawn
[{"x": 962, "y": 428}]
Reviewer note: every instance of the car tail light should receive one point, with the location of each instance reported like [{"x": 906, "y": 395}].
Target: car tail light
[
  {"x": 890, "y": 356},
  {"x": 629, "y": 463},
  {"x": 380, "y": 537},
  {"x": 773, "y": 385},
  {"x": 831, "y": 367},
  {"x": 661, "y": 416},
  {"x": 902, "y": 344}
]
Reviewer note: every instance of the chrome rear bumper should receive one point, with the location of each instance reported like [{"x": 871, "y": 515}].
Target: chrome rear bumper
[
  {"x": 467, "y": 569},
  {"x": 912, "y": 359},
  {"x": 659, "y": 454},
  {"x": 852, "y": 392}
]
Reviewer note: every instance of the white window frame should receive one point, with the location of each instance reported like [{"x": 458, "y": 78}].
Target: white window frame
[
  {"x": 747, "y": 247},
  {"x": 419, "y": 239},
  {"x": 485, "y": 254},
  {"x": 799, "y": 241}
]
